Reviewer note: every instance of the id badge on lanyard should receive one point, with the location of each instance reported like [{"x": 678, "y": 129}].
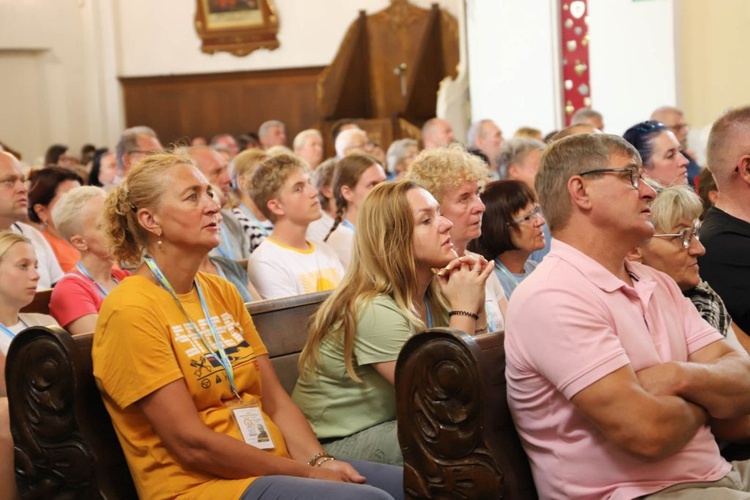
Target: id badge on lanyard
[{"x": 253, "y": 427}]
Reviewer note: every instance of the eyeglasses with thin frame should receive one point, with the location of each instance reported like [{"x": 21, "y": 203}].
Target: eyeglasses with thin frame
[
  {"x": 636, "y": 175},
  {"x": 536, "y": 213},
  {"x": 686, "y": 234}
]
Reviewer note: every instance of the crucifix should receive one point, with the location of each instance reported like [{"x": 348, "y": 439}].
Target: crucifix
[{"x": 400, "y": 71}]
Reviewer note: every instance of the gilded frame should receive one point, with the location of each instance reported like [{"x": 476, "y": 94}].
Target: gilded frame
[{"x": 236, "y": 26}]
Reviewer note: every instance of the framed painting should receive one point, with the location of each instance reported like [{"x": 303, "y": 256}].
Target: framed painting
[{"x": 236, "y": 26}]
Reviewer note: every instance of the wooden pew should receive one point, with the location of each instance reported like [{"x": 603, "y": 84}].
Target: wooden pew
[
  {"x": 40, "y": 302},
  {"x": 454, "y": 424},
  {"x": 65, "y": 444}
]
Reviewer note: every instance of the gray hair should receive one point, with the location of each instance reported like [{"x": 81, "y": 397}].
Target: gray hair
[
  {"x": 475, "y": 132},
  {"x": 129, "y": 142},
  {"x": 265, "y": 127},
  {"x": 299, "y": 139},
  {"x": 515, "y": 151},
  {"x": 583, "y": 115},
  {"x": 397, "y": 152},
  {"x": 342, "y": 140},
  {"x": 67, "y": 212},
  {"x": 673, "y": 204}
]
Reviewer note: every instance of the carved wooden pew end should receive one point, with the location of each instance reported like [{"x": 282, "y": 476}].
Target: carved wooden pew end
[{"x": 454, "y": 425}]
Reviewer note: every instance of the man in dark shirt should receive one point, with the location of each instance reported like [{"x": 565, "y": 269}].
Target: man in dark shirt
[{"x": 726, "y": 228}]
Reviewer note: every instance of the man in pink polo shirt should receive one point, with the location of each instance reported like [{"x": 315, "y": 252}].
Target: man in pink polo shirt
[{"x": 614, "y": 386}]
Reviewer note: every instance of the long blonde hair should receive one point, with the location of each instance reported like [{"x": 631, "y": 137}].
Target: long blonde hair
[{"x": 382, "y": 263}]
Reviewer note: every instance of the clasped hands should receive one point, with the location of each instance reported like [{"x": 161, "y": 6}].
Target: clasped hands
[{"x": 462, "y": 282}]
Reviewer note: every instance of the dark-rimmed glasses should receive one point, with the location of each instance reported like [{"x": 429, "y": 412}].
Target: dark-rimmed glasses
[
  {"x": 535, "y": 213},
  {"x": 635, "y": 173},
  {"x": 686, "y": 234}
]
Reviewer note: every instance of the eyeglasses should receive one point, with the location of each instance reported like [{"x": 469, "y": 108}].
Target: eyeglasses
[
  {"x": 635, "y": 173},
  {"x": 686, "y": 234},
  {"x": 534, "y": 214}
]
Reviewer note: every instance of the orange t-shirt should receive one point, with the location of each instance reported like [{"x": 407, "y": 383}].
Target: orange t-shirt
[
  {"x": 66, "y": 255},
  {"x": 143, "y": 342}
]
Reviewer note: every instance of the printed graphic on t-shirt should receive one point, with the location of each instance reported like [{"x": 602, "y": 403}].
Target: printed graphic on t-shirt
[
  {"x": 201, "y": 349},
  {"x": 320, "y": 280}
]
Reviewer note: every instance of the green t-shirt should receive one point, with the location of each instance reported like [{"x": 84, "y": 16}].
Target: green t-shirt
[{"x": 336, "y": 405}]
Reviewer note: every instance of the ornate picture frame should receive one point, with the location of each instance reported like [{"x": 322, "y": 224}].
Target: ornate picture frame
[{"x": 236, "y": 26}]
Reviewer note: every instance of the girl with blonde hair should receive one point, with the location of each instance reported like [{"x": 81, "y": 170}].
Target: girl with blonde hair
[
  {"x": 18, "y": 281},
  {"x": 390, "y": 292}
]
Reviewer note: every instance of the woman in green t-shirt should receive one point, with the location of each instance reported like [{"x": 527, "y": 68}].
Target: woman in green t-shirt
[{"x": 404, "y": 276}]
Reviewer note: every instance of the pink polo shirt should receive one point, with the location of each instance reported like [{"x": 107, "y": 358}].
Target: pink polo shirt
[{"x": 571, "y": 323}]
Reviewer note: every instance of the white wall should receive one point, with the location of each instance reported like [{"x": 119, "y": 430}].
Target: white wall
[
  {"x": 632, "y": 59},
  {"x": 310, "y": 33},
  {"x": 48, "y": 98},
  {"x": 514, "y": 61}
]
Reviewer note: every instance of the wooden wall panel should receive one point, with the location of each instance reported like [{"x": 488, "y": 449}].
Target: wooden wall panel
[{"x": 183, "y": 106}]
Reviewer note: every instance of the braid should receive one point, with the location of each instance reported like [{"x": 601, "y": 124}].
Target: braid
[{"x": 339, "y": 217}]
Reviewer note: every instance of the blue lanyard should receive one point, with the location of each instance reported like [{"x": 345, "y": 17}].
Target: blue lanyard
[
  {"x": 348, "y": 224},
  {"x": 429, "y": 313},
  {"x": 501, "y": 267},
  {"x": 229, "y": 254},
  {"x": 102, "y": 291},
  {"x": 252, "y": 218},
  {"x": 8, "y": 331},
  {"x": 220, "y": 270},
  {"x": 220, "y": 354}
]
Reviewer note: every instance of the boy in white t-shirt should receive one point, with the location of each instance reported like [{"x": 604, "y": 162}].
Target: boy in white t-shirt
[{"x": 286, "y": 263}]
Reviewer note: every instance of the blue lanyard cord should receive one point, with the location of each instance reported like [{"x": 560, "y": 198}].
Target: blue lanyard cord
[
  {"x": 428, "y": 309},
  {"x": 348, "y": 224},
  {"x": 102, "y": 291},
  {"x": 229, "y": 253},
  {"x": 220, "y": 270},
  {"x": 499, "y": 265},
  {"x": 220, "y": 354},
  {"x": 253, "y": 219},
  {"x": 8, "y": 331}
]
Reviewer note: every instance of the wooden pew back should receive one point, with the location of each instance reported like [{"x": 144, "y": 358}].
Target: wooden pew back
[
  {"x": 454, "y": 425},
  {"x": 65, "y": 444}
]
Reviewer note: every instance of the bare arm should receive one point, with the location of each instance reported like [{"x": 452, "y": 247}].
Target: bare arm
[
  {"x": 84, "y": 324},
  {"x": 647, "y": 426},
  {"x": 735, "y": 430},
  {"x": 742, "y": 337},
  {"x": 172, "y": 414},
  {"x": 716, "y": 377}
]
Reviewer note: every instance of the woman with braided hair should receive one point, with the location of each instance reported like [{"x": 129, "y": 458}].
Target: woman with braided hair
[{"x": 356, "y": 174}]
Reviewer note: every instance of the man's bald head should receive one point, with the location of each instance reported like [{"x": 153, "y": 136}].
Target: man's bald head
[
  {"x": 213, "y": 165},
  {"x": 728, "y": 142},
  {"x": 674, "y": 119},
  {"x": 437, "y": 133}
]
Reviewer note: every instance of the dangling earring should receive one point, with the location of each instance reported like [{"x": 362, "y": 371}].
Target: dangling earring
[{"x": 158, "y": 242}]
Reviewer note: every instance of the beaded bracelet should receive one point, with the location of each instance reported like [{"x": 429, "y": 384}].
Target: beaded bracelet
[
  {"x": 313, "y": 462},
  {"x": 325, "y": 459},
  {"x": 463, "y": 313}
]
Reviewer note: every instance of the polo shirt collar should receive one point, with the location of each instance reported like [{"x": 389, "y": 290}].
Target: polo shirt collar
[{"x": 594, "y": 271}]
